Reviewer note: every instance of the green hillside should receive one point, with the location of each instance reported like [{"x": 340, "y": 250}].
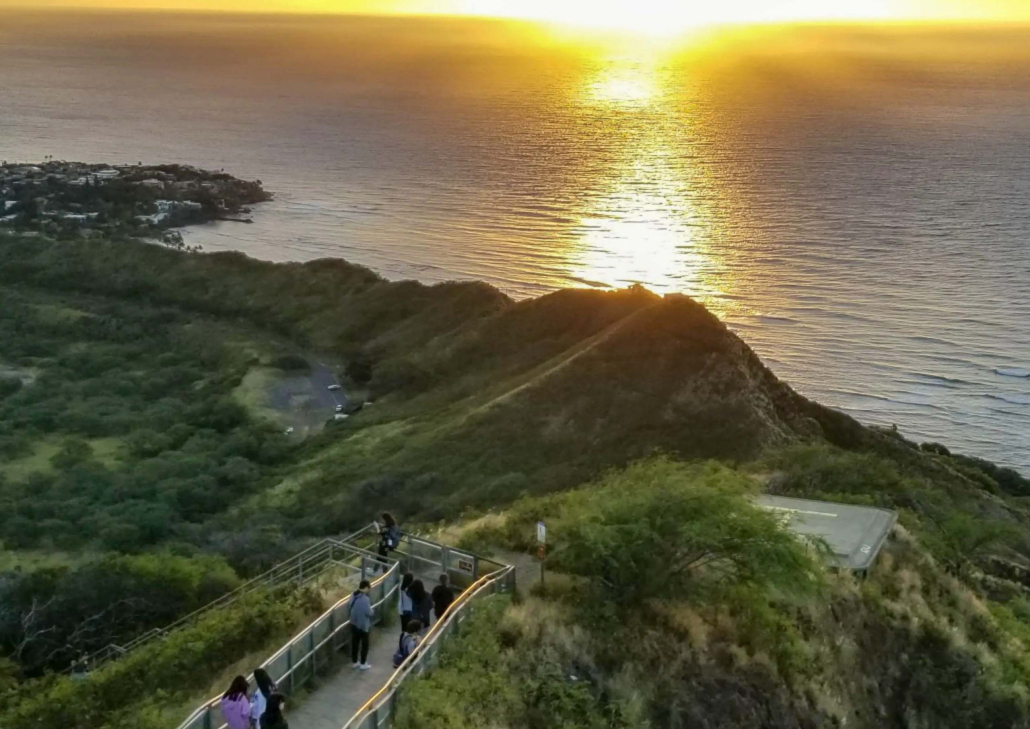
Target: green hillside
[{"x": 135, "y": 429}]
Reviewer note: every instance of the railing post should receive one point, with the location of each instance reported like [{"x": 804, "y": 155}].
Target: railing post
[
  {"x": 445, "y": 558},
  {"x": 289, "y": 664},
  {"x": 363, "y": 567},
  {"x": 475, "y": 567},
  {"x": 207, "y": 717},
  {"x": 311, "y": 652}
]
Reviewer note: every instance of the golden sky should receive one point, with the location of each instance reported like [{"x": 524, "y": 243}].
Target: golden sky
[{"x": 628, "y": 14}]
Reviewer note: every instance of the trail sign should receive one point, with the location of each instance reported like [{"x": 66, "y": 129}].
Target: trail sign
[{"x": 541, "y": 539}]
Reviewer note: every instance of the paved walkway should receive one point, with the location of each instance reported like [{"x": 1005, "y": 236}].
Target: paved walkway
[{"x": 340, "y": 695}]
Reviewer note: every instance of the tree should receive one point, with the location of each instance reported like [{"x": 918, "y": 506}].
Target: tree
[{"x": 662, "y": 531}]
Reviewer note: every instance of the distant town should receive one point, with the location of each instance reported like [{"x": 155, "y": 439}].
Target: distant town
[{"x": 62, "y": 199}]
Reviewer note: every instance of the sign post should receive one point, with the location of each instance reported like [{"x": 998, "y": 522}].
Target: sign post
[{"x": 541, "y": 539}]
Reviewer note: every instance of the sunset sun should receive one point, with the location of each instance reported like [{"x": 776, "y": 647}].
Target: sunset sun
[{"x": 668, "y": 16}]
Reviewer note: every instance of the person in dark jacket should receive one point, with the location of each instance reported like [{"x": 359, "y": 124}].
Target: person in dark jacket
[
  {"x": 389, "y": 538},
  {"x": 273, "y": 717},
  {"x": 443, "y": 596},
  {"x": 360, "y": 625},
  {"x": 421, "y": 603}
]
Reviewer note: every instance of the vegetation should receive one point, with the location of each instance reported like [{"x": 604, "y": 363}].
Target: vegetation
[
  {"x": 133, "y": 405},
  {"x": 760, "y": 635},
  {"x": 49, "y": 616},
  {"x": 130, "y": 458},
  {"x": 137, "y": 691}
]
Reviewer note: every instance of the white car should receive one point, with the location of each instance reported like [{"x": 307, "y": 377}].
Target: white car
[
  {"x": 339, "y": 416},
  {"x": 333, "y": 387},
  {"x": 339, "y": 408}
]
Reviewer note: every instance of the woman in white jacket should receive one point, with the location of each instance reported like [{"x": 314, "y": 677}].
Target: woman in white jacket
[
  {"x": 404, "y": 602},
  {"x": 259, "y": 699}
]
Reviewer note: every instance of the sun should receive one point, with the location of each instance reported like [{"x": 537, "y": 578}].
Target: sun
[{"x": 676, "y": 16}]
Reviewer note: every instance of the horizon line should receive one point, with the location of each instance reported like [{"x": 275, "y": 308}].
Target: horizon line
[{"x": 930, "y": 20}]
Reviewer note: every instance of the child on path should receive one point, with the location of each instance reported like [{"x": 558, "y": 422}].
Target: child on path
[{"x": 408, "y": 642}]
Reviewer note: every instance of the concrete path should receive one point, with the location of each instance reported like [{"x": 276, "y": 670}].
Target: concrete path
[
  {"x": 343, "y": 693},
  {"x": 338, "y": 696}
]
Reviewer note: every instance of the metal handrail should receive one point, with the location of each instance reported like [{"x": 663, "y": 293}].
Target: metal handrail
[
  {"x": 451, "y": 558},
  {"x": 379, "y": 710},
  {"x": 322, "y": 552},
  {"x": 208, "y": 715}
]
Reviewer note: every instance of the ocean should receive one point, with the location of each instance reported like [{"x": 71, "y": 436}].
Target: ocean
[{"x": 851, "y": 200}]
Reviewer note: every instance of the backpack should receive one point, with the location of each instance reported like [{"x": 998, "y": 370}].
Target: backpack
[
  {"x": 392, "y": 538},
  {"x": 405, "y": 646}
]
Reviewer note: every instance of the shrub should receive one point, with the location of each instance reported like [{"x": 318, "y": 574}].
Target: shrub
[{"x": 176, "y": 666}]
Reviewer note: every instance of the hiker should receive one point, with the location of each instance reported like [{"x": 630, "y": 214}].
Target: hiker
[
  {"x": 273, "y": 717},
  {"x": 389, "y": 538},
  {"x": 404, "y": 600},
  {"x": 443, "y": 596},
  {"x": 80, "y": 668},
  {"x": 259, "y": 699},
  {"x": 360, "y": 625},
  {"x": 421, "y": 603},
  {"x": 235, "y": 705},
  {"x": 408, "y": 642}
]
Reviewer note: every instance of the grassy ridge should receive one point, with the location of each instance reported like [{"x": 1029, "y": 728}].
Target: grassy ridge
[
  {"x": 130, "y": 436},
  {"x": 753, "y": 633}
]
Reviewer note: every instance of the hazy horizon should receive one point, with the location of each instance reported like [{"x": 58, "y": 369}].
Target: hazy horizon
[{"x": 608, "y": 14}]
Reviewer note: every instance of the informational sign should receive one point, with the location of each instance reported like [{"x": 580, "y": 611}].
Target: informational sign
[
  {"x": 466, "y": 565},
  {"x": 541, "y": 533}
]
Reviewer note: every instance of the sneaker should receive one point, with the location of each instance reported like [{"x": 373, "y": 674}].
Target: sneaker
[
  {"x": 355, "y": 665},
  {"x": 364, "y": 666}
]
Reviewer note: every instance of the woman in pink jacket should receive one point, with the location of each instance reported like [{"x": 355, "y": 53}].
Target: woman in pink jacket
[{"x": 235, "y": 704}]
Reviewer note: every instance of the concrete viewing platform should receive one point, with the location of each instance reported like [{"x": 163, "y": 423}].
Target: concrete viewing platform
[{"x": 854, "y": 534}]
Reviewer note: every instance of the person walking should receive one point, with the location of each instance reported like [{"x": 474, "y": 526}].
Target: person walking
[
  {"x": 408, "y": 642},
  {"x": 443, "y": 596},
  {"x": 389, "y": 538},
  {"x": 404, "y": 600},
  {"x": 360, "y": 625},
  {"x": 259, "y": 699},
  {"x": 235, "y": 705},
  {"x": 421, "y": 603},
  {"x": 273, "y": 717}
]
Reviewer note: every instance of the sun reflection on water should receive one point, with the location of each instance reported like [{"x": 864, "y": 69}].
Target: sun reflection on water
[{"x": 643, "y": 220}]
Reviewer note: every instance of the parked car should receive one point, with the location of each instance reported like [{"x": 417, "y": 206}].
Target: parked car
[{"x": 333, "y": 387}]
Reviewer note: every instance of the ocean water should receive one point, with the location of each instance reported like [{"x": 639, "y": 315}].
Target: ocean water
[{"x": 852, "y": 201}]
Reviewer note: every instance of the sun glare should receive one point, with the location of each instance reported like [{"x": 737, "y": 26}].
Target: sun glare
[{"x": 672, "y": 16}]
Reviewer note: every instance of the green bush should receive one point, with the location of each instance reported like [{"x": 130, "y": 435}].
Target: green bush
[
  {"x": 485, "y": 678},
  {"x": 165, "y": 672}
]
